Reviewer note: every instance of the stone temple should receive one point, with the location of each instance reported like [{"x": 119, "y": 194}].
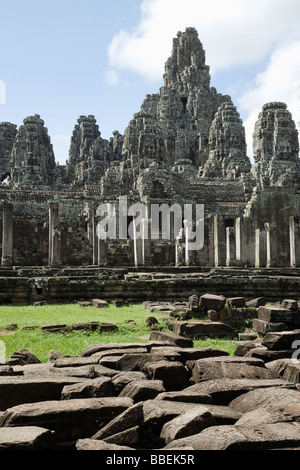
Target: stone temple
[{"x": 186, "y": 146}]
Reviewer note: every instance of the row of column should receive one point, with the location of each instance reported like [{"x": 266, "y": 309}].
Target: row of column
[
  {"x": 261, "y": 250},
  {"x": 234, "y": 247}
]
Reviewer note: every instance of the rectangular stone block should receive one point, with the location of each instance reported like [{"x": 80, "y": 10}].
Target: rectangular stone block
[
  {"x": 172, "y": 338},
  {"x": 281, "y": 340},
  {"x": 275, "y": 314},
  {"x": 76, "y": 418},
  {"x": 16, "y": 390},
  {"x": 202, "y": 329},
  {"x": 263, "y": 327}
]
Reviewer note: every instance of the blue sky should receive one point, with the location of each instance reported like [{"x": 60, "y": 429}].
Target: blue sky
[{"x": 66, "y": 58}]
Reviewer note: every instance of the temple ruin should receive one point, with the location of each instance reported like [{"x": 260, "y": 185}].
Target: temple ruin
[{"x": 186, "y": 145}]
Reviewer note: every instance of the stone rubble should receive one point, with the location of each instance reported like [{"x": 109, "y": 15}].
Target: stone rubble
[{"x": 158, "y": 394}]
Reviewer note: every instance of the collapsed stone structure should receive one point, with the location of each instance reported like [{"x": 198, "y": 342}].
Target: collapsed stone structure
[
  {"x": 186, "y": 145},
  {"x": 163, "y": 394}
]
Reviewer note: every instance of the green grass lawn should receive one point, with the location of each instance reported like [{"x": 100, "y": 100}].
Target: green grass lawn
[{"x": 130, "y": 321}]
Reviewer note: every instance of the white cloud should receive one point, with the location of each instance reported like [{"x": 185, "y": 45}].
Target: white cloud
[
  {"x": 233, "y": 33},
  {"x": 112, "y": 77}
]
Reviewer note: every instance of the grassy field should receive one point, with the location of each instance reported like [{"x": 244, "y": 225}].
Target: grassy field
[{"x": 130, "y": 321}]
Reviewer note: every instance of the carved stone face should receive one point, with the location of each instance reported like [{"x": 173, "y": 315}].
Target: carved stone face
[{"x": 284, "y": 151}]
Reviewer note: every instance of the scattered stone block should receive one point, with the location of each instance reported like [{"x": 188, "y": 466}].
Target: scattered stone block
[
  {"x": 79, "y": 418},
  {"x": 100, "y": 303},
  {"x": 189, "y": 423},
  {"x": 268, "y": 355},
  {"x": 100, "y": 370},
  {"x": 107, "y": 327},
  {"x": 193, "y": 303},
  {"x": 140, "y": 390},
  {"x": 256, "y": 303},
  {"x": 85, "y": 303},
  {"x": 121, "y": 379},
  {"x": 25, "y": 438},
  {"x": 54, "y": 328},
  {"x": 271, "y": 398},
  {"x": 92, "y": 388},
  {"x": 263, "y": 327},
  {"x": 173, "y": 374},
  {"x": 48, "y": 370},
  {"x": 76, "y": 361},
  {"x": 279, "y": 341},
  {"x": 23, "y": 357},
  {"x": 287, "y": 368},
  {"x": 95, "y": 348},
  {"x": 262, "y": 416},
  {"x": 161, "y": 411},
  {"x": 211, "y": 302},
  {"x": 290, "y": 304},
  {"x": 244, "y": 348},
  {"x": 54, "y": 354},
  {"x": 11, "y": 327},
  {"x": 186, "y": 396},
  {"x": 203, "y": 329},
  {"x": 275, "y": 314},
  {"x": 17, "y": 390},
  {"x": 129, "y": 437},
  {"x": 237, "y": 302},
  {"x": 111, "y": 362},
  {"x": 231, "y": 368},
  {"x": 223, "y": 391},
  {"x": 247, "y": 336},
  {"x": 93, "y": 445},
  {"x": 118, "y": 352},
  {"x": 172, "y": 338},
  {"x": 264, "y": 437},
  {"x": 84, "y": 326},
  {"x": 188, "y": 354},
  {"x": 6, "y": 370},
  {"x": 137, "y": 362},
  {"x": 131, "y": 417}
]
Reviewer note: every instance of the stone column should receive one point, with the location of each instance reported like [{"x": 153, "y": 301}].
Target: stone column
[
  {"x": 91, "y": 231},
  {"x": 292, "y": 243},
  {"x": 257, "y": 248},
  {"x": 268, "y": 241},
  {"x": 138, "y": 246},
  {"x": 189, "y": 254},
  {"x": 180, "y": 249},
  {"x": 228, "y": 250},
  {"x": 146, "y": 241},
  {"x": 7, "y": 234},
  {"x": 216, "y": 242},
  {"x": 54, "y": 236},
  {"x": 238, "y": 241}
]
